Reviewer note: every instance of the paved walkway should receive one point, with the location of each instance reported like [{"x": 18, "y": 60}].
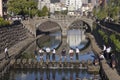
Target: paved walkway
[
  {"x": 110, "y": 73},
  {"x": 17, "y": 48}
]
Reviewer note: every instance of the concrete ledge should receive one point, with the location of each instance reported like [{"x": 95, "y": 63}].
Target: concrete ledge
[{"x": 107, "y": 72}]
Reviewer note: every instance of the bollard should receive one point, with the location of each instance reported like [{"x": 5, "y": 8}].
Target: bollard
[
  {"x": 24, "y": 63},
  {"x": 18, "y": 61},
  {"x": 34, "y": 63},
  {"x": 89, "y": 62},
  {"x": 29, "y": 63},
  {"x": 80, "y": 66}
]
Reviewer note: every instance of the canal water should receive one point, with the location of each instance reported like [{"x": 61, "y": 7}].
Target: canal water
[{"x": 49, "y": 74}]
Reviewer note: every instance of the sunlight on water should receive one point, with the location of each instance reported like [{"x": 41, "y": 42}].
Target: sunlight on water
[{"x": 76, "y": 38}]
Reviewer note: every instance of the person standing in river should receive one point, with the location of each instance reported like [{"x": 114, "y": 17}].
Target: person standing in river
[
  {"x": 47, "y": 53},
  {"x": 63, "y": 53},
  {"x": 77, "y": 53},
  {"x": 71, "y": 53},
  {"x": 41, "y": 54},
  {"x": 53, "y": 54}
]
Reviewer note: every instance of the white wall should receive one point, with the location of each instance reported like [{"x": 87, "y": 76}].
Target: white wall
[
  {"x": 1, "y": 8},
  {"x": 76, "y": 4}
]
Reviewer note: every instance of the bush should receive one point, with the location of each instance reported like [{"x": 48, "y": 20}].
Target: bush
[
  {"x": 105, "y": 36},
  {"x": 116, "y": 42},
  {"x": 3, "y": 22}
]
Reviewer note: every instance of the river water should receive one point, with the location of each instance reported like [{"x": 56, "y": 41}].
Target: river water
[{"x": 47, "y": 74}]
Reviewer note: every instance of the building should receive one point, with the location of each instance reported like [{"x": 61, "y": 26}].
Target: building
[
  {"x": 93, "y": 2},
  {"x": 73, "y": 5},
  {"x": 63, "y": 1},
  {"x": 57, "y": 7},
  {"x": 1, "y": 9},
  {"x": 42, "y": 3}
]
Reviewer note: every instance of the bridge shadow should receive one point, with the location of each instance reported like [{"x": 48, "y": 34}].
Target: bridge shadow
[{"x": 39, "y": 32}]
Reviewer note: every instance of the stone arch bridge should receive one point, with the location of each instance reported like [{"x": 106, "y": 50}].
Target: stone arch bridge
[{"x": 62, "y": 22}]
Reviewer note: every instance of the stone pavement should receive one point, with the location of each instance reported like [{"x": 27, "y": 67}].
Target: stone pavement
[
  {"x": 17, "y": 48},
  {"x": 110, "y": 73}
]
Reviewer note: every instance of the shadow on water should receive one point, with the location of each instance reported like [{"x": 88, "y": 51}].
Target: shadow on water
[{"x": 52, "y": 40}]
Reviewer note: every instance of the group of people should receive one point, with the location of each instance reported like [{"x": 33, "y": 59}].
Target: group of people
[
  {"x": 39, "y": 53},
  {"x": 108, "y": 55}
]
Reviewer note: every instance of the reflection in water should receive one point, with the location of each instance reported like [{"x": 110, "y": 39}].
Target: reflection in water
[
  {"x": 47, "y": 74},
  {"x": 53, "y": 40},
  {"x": 76, "y": 38}
]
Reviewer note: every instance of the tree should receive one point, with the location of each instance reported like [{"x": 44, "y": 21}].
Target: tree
[
  {"x": 45, "y": 11},
  {"x": 22, "y": 7},
  {"x": 112, "y": 10}
]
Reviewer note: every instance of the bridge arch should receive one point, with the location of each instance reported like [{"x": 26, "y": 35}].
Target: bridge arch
[
  {"x": 47, "y": 27},
  {"x": 80, "y": 24}
]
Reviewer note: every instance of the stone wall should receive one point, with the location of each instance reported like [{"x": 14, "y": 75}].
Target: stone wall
[{"x": 11, "y": 35}]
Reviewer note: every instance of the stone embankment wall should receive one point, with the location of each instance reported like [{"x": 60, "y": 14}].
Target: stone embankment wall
[{"x": 11, "y": 35}]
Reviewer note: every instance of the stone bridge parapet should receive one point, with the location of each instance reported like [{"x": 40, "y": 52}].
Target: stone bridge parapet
[{"x": 64, "y": 22}]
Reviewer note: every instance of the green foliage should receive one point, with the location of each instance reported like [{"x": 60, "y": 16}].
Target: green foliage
[
  {"x": 113, "y": 38},
  {"x": 39, "y": 13},
  {"x": 101, "y": 13},
  {"x": 22, "y": 7},
  {"x": 3, "y": 22},
  {"x": 111, "y": 9},
  {"x": 105, "y": 37},
  {"x": 64, "y": 12},
  {"x": 57, "y": 12},
  {"x": 28, "y": 56},
  {"x": 116, "y": 42},
  {"x": 43, "y": 12},
  {"x": 101, "y": 32}
]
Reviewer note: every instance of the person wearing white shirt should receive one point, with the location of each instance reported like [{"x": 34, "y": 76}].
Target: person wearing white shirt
[
  {"x": 41, "y": 54},
  {"x": 47, "y": 53},
  {"x": 102, "y": 57},
  {"x": 77, "y": 52},
  {"x": 71, "y": 53},
  {"x": 6, "y": 54},
  {"x": 53, "y": 54},
  {"x": 104, "y": 47},
  {"x": 104, "y": 50},
  {"x": 108, "y": 50}
]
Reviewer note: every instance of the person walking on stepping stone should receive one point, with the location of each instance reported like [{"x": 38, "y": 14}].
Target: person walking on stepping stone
[
  {"x": 53, "y": 54},
  {"x": 77, "y": 53},
  {"x": 47, "y": 53},
  {"x": 63, "y": 53},
  {"x": 71, "y": 53},
  {"x": 41, "y": 54}
]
